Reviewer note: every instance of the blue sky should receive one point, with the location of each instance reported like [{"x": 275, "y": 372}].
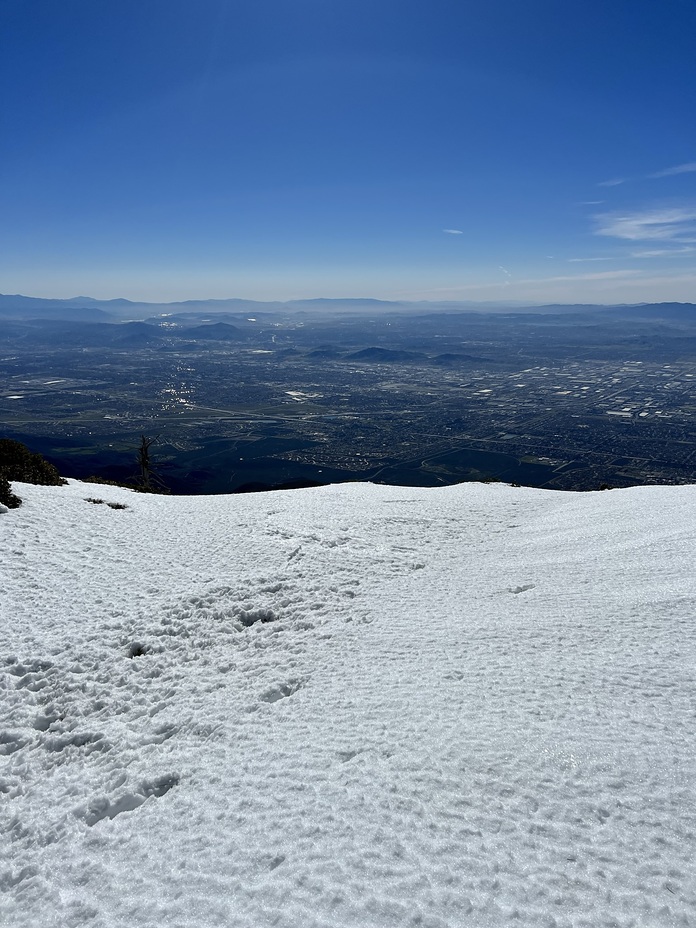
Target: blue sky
[{"x": 542, "y": 150}]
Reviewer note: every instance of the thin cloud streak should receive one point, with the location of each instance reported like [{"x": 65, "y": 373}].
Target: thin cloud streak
[
  {"x": 627, "y": 274},
  {"x": 664, "y": 252},
  {"x": 600, "y": 275},
  {"x": 453, "y": 231},
  {"x": 676, "y": 224},
  {"x": 603, "y": 288},
  {"x": 687, "y": 168}
]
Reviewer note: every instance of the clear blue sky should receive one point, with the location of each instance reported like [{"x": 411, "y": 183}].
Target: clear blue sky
[{"x": 402, "y": 149}]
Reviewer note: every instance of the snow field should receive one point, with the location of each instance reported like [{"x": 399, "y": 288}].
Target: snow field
[{"x": 348, "y": 706}]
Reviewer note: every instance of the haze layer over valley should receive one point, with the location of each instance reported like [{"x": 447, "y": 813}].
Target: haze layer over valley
[{"x": 566, "y": 397}]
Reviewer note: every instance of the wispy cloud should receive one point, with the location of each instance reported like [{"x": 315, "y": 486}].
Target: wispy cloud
[
  {"x": 505, "y": 270},
  {"x": 627, "y": 275},
  {"x": 665, "y": 280},
  {"x": 453, "y": 231},
  {"x": 676, "y": 224},
  {"x": 600, "y": 275},
  {"x": 590, "y": 202},
  {"x": 679, "y": 169},
  {"x": 687, "y": 168},
  {"x": 579, "y": 260},
  {"x": 664, "y": 252},
  {"x": 605, "y": 287}
]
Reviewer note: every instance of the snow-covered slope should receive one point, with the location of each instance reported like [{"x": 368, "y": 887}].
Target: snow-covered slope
[{"x": 348, "y": 706}]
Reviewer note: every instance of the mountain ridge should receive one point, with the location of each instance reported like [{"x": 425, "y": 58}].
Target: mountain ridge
[{"x": 18, "y": 306}]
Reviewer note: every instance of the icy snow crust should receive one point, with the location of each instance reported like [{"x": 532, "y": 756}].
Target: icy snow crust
[{"x": 348, "y": 706}]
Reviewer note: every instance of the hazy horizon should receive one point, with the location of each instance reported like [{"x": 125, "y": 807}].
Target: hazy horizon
[{"x": 511, "y": 304}]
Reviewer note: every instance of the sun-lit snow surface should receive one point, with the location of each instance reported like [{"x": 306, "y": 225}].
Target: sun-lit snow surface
[{"x": 348, "y": 706}]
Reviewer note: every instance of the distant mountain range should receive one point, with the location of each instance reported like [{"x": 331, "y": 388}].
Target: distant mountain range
[
  {"x": 96, "y": 333},
  {"x": 87, "y": 309}
]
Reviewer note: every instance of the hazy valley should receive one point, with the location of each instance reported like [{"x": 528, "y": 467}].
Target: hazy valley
[{"x": 273, "y": 394}]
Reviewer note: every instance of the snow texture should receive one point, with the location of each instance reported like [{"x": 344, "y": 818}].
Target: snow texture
[{"x": 348, "y": 706}]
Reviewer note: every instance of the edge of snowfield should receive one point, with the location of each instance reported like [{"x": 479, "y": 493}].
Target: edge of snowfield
[{"x": 354, "y": 705}]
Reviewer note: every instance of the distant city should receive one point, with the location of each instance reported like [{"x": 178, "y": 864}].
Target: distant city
[{"x": 245, "y": 396}]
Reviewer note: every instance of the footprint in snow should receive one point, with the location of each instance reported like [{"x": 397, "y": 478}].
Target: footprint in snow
[
  {"x": 280, "y": 691},
  {"x": 11, "y": 741},
  {"x": 102, "y": 808}
]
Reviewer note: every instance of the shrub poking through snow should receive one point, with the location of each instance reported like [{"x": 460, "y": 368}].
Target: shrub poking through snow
[
  {"x": 97, "y": 501},
  {"x": 7, "y": 497},
  {"x": 17, "y": 462}
]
